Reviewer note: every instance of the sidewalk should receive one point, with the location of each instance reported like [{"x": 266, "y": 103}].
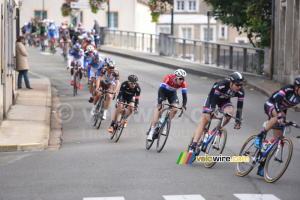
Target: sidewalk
[
  {"x": 27, "y": 125},
  {"x": 257, "y": 82}
]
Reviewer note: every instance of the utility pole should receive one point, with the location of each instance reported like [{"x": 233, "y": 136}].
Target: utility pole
[
  {"x": 209, "y": 14},
  {"x": 43, "y": 13},
  {"x": 172, "y": 21},
  {"x": 108, "y": 14}
]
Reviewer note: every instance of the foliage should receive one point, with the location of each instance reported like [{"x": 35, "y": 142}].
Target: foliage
[
  {"x": 252, "y": 17},
  {"x": 98, "y": 4},
  {"x": 158, "y": 7}
]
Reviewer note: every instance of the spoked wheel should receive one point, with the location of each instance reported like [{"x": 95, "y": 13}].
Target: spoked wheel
[
  {"x": 96, "y": 119},
  {"x": 278, "y": 160},
  {"x": 74, "y": 84},
  {"x": 163, "y": 135},
  {"x": 216, "y": 146},
  {"x": 149, "y": 143},
  {"x": 249, "y": 150},
  {"x": 119, "y": 129},
  {"x": 99, "y": 110}
]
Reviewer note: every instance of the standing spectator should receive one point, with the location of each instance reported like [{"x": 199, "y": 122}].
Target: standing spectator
[
  {"x": 97, "y": 33},
  {"x": 22, "y": 65}
]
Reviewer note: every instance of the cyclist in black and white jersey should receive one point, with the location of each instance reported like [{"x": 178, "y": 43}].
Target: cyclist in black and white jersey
[{"x": 220, "y": 95}]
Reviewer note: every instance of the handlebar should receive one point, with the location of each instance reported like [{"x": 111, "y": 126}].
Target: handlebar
[
  {"x": 227, "y": 114},
  {"x": 128, "y": 105},
  {"x": 171, "y": 106}
]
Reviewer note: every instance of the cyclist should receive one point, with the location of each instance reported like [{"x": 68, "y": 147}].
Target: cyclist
[
  {"x": 95, "y": 65},
  {"x": 89, "y": 35},
  {"x": 64, "y": 35},
  {"x": 51, "y": 35},
  {"x": 129, "y": 93},
  {"x": 220, "y": 95},
  {"x": 76, "y": 55},
  {"x": 105, "y": 82},
  {"x": 168, "y": 90},
  {"x": 42, "y": 33},
  {"x": 87, "y": 43},
  {"x": 276, "y": 108}
]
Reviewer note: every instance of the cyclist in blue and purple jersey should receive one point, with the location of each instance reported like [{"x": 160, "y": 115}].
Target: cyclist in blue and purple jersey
[
  {"x": 76, "y": 56},
  {"x": 95, "y": 65},
  {"x": 87, "y": 56}
]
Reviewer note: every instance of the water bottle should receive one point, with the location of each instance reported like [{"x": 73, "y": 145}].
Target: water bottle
[
  {"x": 206, "y": 137},
  {"x": 264, "y": 146},
  {"x": 160, "y": 121}
]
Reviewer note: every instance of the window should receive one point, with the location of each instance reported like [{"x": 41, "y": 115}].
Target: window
[
  {"x": 223, "y": 32},
  {"x": 212, "y": 33},
  {"x": 40, "y": 14},
  {"x": 186, "y": 5},
  {"x": 241, "y": 40},
  {"x": 78, "y": 19},
  {"x": 192, "y": 6},
  {"x": 180, "y": 5},
  {"x": 187, "y": 33},
  {"x": 164, "y": 29},
  {"x": 113, "y": 20}
]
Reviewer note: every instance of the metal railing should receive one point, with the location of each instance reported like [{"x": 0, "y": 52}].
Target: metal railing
[{"x": 235, "y": 57}]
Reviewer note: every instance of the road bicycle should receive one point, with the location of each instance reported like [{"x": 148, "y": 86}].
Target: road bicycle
[
  {"x": 275, "y": 157},
  {"x": 120, "y": 123},
  {"x": 52, "y": 46},
  {"x": 76, "y": 77},
  {"x": 65, "y": 53},
  {"x": 162, "y": 129},
  {"x": 98, "y": 115},
  {"x": 212, "y": 142}
]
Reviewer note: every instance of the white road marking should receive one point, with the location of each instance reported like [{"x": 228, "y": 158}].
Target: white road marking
[
  {"x": 183, "y": 197},
  {"x": 256, "y": 196}
]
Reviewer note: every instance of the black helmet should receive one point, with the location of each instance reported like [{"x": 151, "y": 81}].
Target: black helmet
[
  {"x": 132, "y": 78},
  {"x": 237, "y": 77},
  {"x": 297, "y": 81}
]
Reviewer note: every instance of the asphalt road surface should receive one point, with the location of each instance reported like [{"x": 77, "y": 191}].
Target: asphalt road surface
[{"x": 89, "y": 164}]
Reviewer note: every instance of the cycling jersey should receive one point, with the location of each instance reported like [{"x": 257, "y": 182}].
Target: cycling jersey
[
  {"x": 127, "y": 94},
  {"x": 95, "y": 68},
  {"x": 284, "y": 98},
  {"x": 220, "y": 95},
  {"x": 108, "y": 79},
  {"x": 168, "y": 90}
]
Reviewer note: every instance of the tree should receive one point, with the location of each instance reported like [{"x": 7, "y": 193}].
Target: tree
[{"x": 252, "y": 17}]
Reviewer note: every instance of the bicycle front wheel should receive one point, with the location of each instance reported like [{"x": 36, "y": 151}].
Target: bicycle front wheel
[
  {"x": 74, "y": 85},
  {"x": 149, "y": 143},
  {"x": 163, "y": 135},
  {"x": 278, "y": 160},
  {"x": 120, "y": 127},
  {"x": 216, "y": 146},
  {"x": 99, "y": 109},
  {"x": 248, "y": 149}
]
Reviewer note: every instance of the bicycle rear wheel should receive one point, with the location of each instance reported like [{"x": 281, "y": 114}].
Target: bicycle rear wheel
[
  {"x": 149, "y": 143},
  {"x": 74, "y": 84},
  {"x": 216, "y": 146},
  {"x": 163, "y": 135},
  {"x": 278, "y": 160},
  {"x": 248, "y": 149}
]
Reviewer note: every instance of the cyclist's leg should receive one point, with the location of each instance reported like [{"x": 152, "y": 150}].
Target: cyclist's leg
[
  {"x": 108, "y": 97},
  {"x": 115, "y": 114},
  {"x": 227, "y": 108},
  {"x": 130, "y": 100},
  {"x": 173, "y": 99}
]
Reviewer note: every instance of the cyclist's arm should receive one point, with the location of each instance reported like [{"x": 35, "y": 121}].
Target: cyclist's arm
[
  {"x": 117, "y": 86},
  {"x": 137, "y": 96},
  {"x": 184, "y": 94},
  {"x": 240, "y": 103},
  {"x": 278, "y": 99}
]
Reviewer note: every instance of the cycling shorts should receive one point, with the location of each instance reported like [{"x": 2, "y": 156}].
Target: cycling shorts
[
  {"x": 222, "y": 104},
  {"x": 170, "y": 96},
  {"x": 127, "y": 99},
  {"x": 269, "y": 107}
]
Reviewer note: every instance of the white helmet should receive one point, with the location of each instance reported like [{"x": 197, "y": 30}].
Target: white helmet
[
  {"x": 88, "y": 31},
  {"x": 180, "y": 73},
  {"x": 89, "y": 48},
  {"x": 84, "y": 36}
]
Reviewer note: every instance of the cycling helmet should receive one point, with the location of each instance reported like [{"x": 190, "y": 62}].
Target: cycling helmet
[
  {"x": 111, "y": 64},
  {"x": 90, "y": 48},
  {"x": 52, "y": 28},
  {"x": 88, "y": 40},
  {"x": 236, "y": 77},
  {"x": 84, "y": 36},
  {"x": 71, "y": 25},
  {"x": 132, "y": 78},
  {"x": 95, "y": 54},
  {"x": 106, "y": 60},
  {"x": 63, "y": 27},
  {"x": 76, "y": 47},
  {"x": 88, "y": 31},
  {"x": 180, "y": 73},
  {"x": 297, "y": 81}
]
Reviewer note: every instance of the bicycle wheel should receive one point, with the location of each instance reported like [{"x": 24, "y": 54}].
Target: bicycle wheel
[
  {"x": 216, "y": 146},
  {"x": 248, "y": 149},
  {"x": 74, "y": 85},
  {"x": 120, "y": 128},
  {"x": 96, "y": 119},
  {"x": 278, "y": 160},
  {"x": 99, "y": 112},
  {"x": 149, "y": 143},
  {"x": 163, "y": 135}
]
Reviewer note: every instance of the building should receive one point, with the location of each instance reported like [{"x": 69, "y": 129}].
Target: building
[
  {"x": 190, "y": 21},
  {"x": 129, "y": 15},
  {"x": 286, "y": 66},
  {"x": 8, "y": 34}
]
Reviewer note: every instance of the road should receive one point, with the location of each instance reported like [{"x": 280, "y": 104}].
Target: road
[{"x": 89, "y": 164}]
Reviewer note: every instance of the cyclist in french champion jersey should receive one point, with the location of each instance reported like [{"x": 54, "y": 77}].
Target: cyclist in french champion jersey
[
  {"x": 168, "y": 90},
  {"x": 129, "y": 93},
  {"x": 220, "y": 95},
  {"x": 105, "y": 81}
]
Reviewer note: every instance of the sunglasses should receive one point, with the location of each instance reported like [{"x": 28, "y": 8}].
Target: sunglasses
[
  {"x": 181, "y": 79},
  {"x": 132, "y": 83},
  {"x": 111, "y": 67},
  {"x": 238, "y": 85}
]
